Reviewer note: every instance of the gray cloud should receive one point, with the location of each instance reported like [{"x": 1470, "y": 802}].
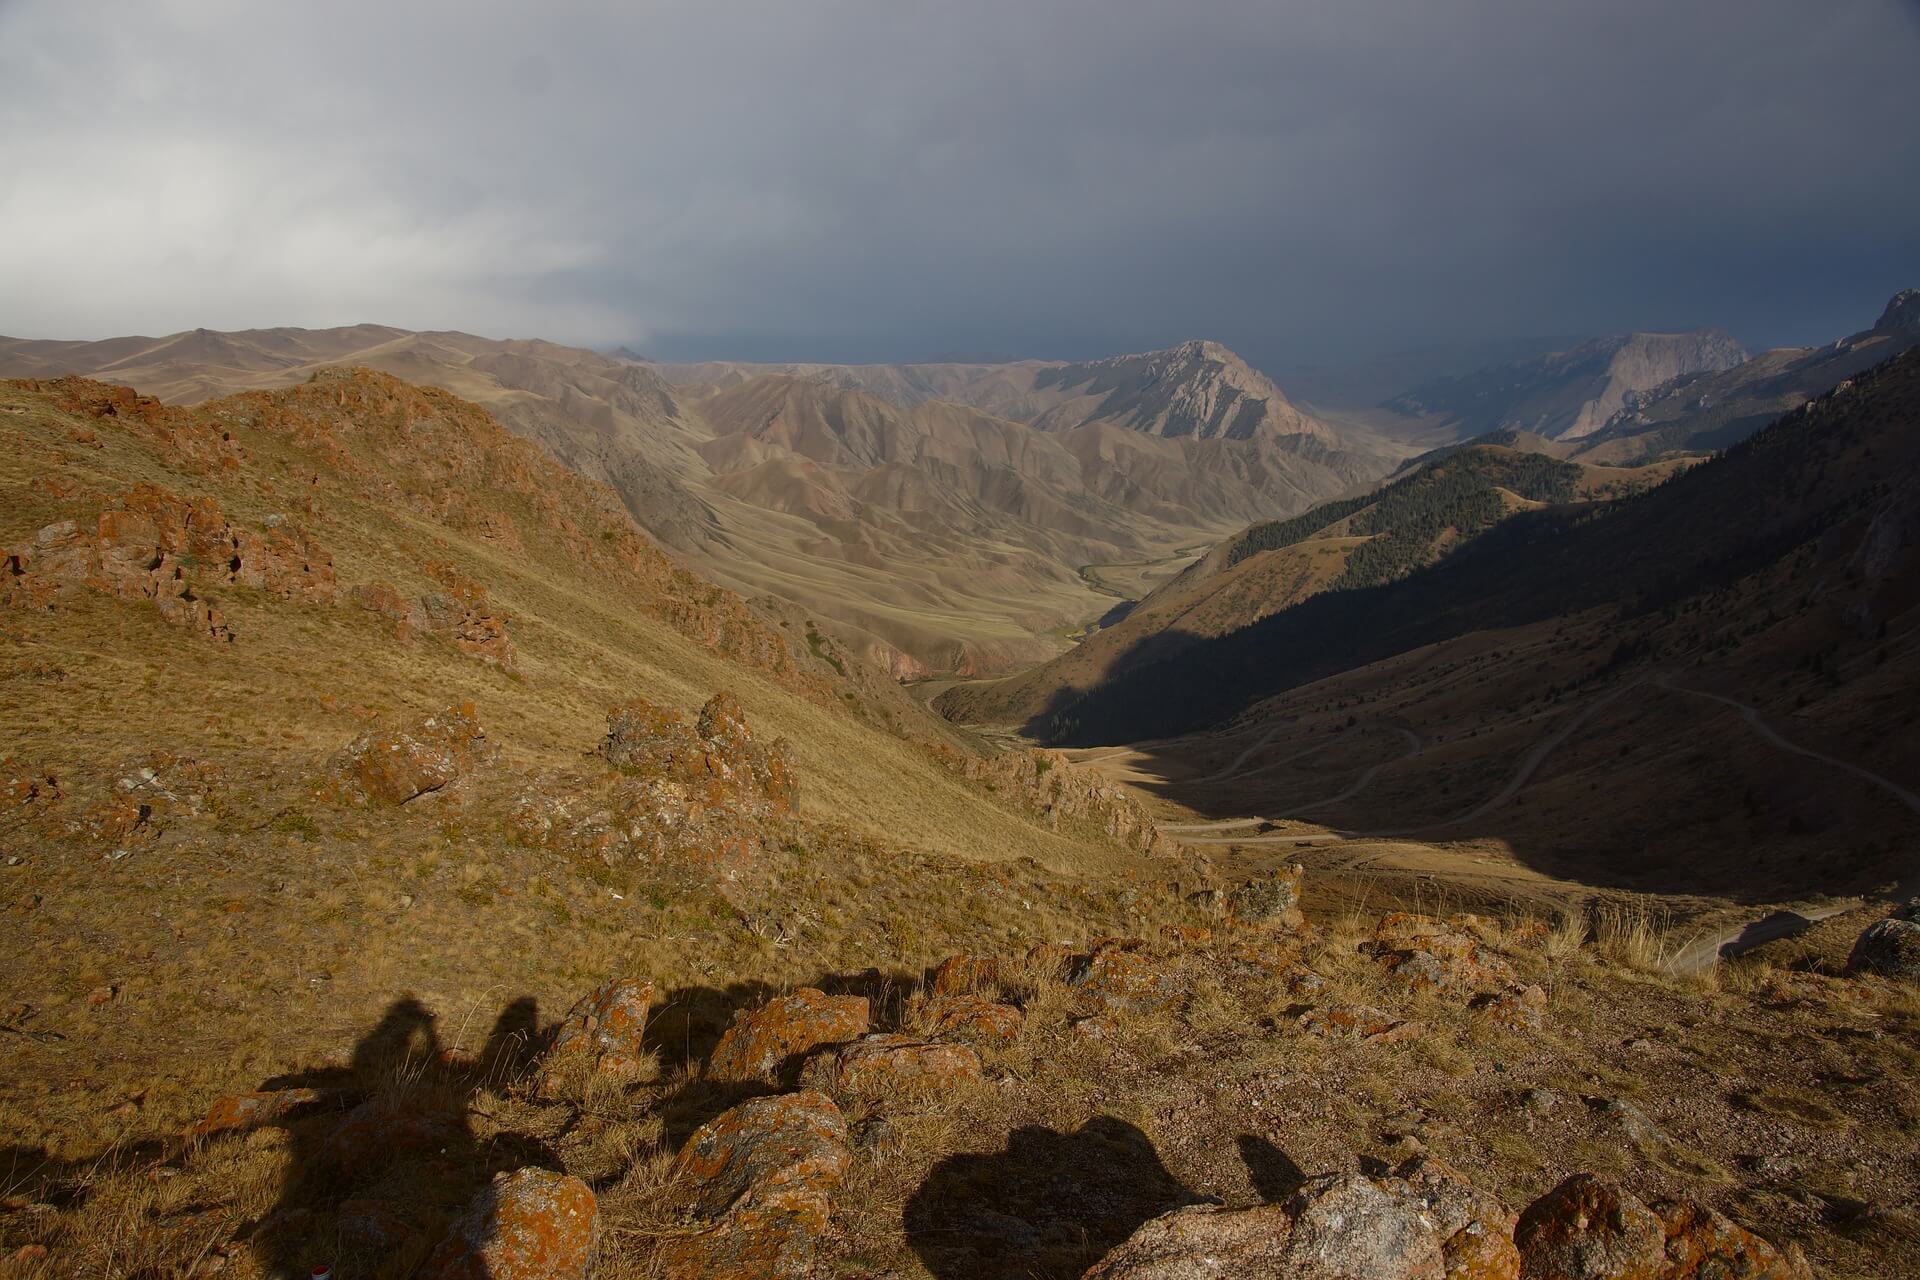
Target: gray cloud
[{"x": 891, "y": 179}]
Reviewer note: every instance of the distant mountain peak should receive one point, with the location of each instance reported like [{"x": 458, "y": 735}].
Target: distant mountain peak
[{"x": 1902, "y": 316}]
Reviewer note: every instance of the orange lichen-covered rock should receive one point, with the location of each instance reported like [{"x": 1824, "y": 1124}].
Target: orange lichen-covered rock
[
  {"x": 1272, "y": 900},
  {"x": 1705, "y": 1245},
  {"x": 884, "y": 1063},
  {"x": 761, "y": 1041},
  {"x": 762, "y": 1175},
  {"x": 969, "y": 1017},
  {"x": 249, "y": 1110},
  {"x": 1359, "y": 1022},
  {"x": 965, "y": 975},
  {"x": 1119, "y": 980},
  {"x": 1586, "y": 1229},
  {"x": 716, "y": 758},
  {"x": 530, "y": 1224},
  {"x": 1201, "y": 1242},
  {"x": 392, "y": 766},
  {"x": 608, "y": 1024},
  {"x": 1439, "y": 955}
]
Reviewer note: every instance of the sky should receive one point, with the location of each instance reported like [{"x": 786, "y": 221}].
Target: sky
[{"x": 890, "y": 180}]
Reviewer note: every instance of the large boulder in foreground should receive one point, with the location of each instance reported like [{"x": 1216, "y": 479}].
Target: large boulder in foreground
[
  {"x": 531, "y": 1224},
  {"x": 1422, "y": 1222},
  {"x": 760, "y": 1177},
  {"x": 1590, "y": 1229},
  {"x": 1890, "y": 947},
  {"x": 393, "y": 766},
  {"x": 761, "y": 1041}
]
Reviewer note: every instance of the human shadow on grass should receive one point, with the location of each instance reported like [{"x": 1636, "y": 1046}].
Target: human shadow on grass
[{"x": 378, "y": 1172}]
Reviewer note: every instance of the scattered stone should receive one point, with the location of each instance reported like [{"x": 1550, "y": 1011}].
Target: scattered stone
[
  {"x": 372, "y": 1227},
  {"x": 1539, "y": 1101},
  {"x": 1890, "y": 947},
  {"x": 1634, "y": 1122},
  {"x": 1358, "y": 1022},
  {"x": 885, "y": 1063},
  {"x": 250, "y": 1110},
  {"x": 530, "y": 1224},
  {"x": 389, "y": 766},
  {"x": 609, "y": 1024},
  {"x": 763, "y": 1040},
  {"x": 763, "y": 1175},
  {"x": 102, "y": 995}
]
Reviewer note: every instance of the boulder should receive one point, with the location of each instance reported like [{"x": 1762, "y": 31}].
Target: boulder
[
  {"x": 761, "y": 1177},
  {"x": 609, "y": 1024},
  {"x": 1421, "y": 1222},
  {"x": 1202, "y": 1243},
  {"x": 1890, "y": 948},
  {"x": 531, "y": 1224},
  {"x": 886, "y": 1064},
  {"x": 393, "y": 766},
  {"x": 761, "y": 1041},
  {"x": 1271, "y": 900},
  {"x": 1588, "y": 1229}
]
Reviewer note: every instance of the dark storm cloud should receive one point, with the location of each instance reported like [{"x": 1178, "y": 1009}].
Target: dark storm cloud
[{"x": 886, "y": 180}]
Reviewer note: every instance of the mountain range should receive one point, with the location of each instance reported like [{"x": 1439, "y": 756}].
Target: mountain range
[{"x": 934, "y": 517}]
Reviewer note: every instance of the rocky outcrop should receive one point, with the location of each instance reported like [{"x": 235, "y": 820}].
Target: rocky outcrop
[
  {"x": 759, "y": 1042},
  {"x": 1902, "y": 316},
  {"x": 758, "y": 1181},
  {"x": 151, "y": 544},
  {"x": 393, "y": 766},
  {"x": 1270, "y": 900},
  {"x": 717, "y": 757},
  {"x": 462, "y": 614},
  {"x": 1047, "y": 784},
  {"x": 697, "y": 795},
  {"x": 528, "y": 1225},
  {"x": 1119, "y": 979},
  {"x": 1890, "y": 948}
]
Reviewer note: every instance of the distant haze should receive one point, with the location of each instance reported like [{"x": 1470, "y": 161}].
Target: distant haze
[{"x": 827, "y": 180}]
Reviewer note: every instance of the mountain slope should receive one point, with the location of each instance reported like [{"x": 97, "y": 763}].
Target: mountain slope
[
  {"x": 1810, "y": 486},
  {"x": 1363, "y": 541},
  {"x": 1568, "y": 394}
]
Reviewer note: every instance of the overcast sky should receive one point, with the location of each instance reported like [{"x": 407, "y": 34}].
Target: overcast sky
[{"x": 892, "y": 179}]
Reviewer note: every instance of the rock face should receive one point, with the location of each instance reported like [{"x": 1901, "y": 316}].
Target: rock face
[
  {"x": 1890, "y": 947},
  {"x": 150, "y": 544},
  {"x": 1421, "y": 1222},
  {"x": 1902, "y": 316},
  {"x": 1587, "y": 1229},
  {"x": 529, "y": 1225},
  {"x": 759, "y": 1042},
  {"x": 392, "y": 766},
  {"x": 762, "y": 1175},
  {"x": 609, "y": 1026},
  {"x": 1052, "y": 787}
]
